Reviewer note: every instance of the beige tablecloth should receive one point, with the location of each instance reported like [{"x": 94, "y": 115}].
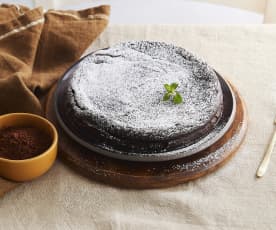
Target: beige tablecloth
[{"x": 230, "y": 198}]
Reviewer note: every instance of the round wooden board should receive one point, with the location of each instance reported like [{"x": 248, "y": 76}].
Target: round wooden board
[{"x": 144, "y": 175}]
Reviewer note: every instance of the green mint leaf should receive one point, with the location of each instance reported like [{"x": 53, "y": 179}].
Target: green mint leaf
[
  {"x": 177, "y": 99},
  {"x": 171, "y": 94},
  {"x": 168, "y": 87},
  {"x": 173, "y": 86},
  {"x": 166, "y": 97}
]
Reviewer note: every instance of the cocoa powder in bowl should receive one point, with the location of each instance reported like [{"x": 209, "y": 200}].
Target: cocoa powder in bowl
[{"x": 19, "y": 143}]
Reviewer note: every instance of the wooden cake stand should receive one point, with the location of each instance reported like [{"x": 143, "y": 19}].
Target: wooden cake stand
[{"x": 142, "y": 175}]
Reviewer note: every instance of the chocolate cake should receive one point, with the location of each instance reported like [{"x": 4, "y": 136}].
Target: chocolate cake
[{"x": 115, "y": 98}]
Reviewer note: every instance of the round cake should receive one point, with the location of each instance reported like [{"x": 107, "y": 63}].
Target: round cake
[{"x": 115, "y": 98}]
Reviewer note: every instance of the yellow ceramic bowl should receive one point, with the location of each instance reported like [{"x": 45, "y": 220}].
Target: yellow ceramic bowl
[{"x": 28, "y": 169}]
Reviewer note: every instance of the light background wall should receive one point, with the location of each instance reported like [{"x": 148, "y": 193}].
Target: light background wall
[{"x": 265, "y": 7}]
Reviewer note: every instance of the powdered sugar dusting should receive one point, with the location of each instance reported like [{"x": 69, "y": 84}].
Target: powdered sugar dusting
[
  {"x": 213, "y": 157},
  {"x": 121, "y": 89}
]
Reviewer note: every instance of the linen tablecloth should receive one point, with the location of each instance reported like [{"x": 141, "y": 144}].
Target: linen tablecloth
[{"x": 230, "y": 198}]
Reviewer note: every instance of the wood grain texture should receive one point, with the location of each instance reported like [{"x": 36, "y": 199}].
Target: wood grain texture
[{"x": 141, "y": 175}]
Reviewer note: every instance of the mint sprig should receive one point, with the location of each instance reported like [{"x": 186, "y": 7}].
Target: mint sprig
[{"x": 172, "y": 93}]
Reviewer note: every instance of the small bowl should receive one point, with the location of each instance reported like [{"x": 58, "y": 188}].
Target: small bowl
[{"x": 28, "y": 169}]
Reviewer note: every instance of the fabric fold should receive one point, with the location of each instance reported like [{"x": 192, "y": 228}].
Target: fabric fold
[
  {"x": 65, "y": 36},
  {"x": 19, "y": 38},
  {"x": 23, "y": 21},
  {"x": 37, "y": 48},
  {"x": 15, "y": 96},
  {"x": 8, "y": 12}
]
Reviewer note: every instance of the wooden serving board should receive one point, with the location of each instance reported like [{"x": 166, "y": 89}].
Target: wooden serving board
[
  {"x": 141, "y": 175},
  {"x": 145, "y": 175}
]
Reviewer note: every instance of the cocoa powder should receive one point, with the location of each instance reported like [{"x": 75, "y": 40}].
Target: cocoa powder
[{"x": 18, "y": 143}]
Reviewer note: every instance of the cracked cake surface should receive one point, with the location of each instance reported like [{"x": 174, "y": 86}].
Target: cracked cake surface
[{"x": 117, "y": 93}]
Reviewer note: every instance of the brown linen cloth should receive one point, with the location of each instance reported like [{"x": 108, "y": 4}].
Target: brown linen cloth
[{"x": 37, "y": 48}]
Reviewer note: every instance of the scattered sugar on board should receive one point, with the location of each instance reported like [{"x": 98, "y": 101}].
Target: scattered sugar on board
[{"x": 206, "y": 161}]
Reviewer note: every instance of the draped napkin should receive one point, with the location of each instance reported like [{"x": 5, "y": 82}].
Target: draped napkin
[{"x": 37, "y": 47}]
